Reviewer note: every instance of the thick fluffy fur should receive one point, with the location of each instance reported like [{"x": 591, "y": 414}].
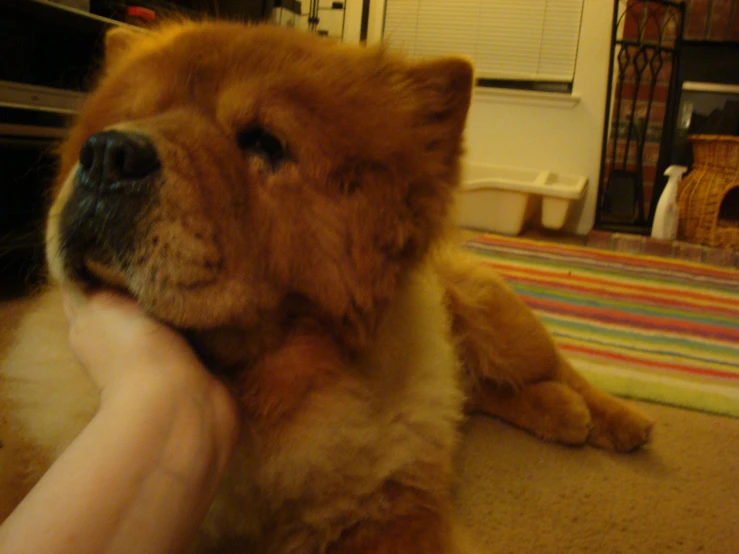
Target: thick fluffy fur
[{"x": 317, "y": 286}]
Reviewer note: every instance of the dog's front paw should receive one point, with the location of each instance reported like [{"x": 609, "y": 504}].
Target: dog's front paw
[
  {"x": 550, "y": 410},
  {"x": 618, "y": 426},
  {"x": 562, "y": 414}
]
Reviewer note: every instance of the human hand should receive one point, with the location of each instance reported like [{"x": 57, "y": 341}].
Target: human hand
[
  {"x": 145, "y": 469},
  {"x": 140, "y": 364}
]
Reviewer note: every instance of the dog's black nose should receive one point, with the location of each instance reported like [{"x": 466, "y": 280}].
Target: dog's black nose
[
  {"x": 115, "y": 186},
  {"x": 112, "y": 157}
]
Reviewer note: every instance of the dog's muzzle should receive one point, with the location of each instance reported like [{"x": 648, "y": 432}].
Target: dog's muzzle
[{"x": 114, "y": 186}]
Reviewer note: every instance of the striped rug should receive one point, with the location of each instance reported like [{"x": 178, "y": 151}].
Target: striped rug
[{"x": 638, "y": 326}]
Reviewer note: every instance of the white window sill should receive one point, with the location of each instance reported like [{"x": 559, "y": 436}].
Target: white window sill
[{"x": 525, "y": 97}]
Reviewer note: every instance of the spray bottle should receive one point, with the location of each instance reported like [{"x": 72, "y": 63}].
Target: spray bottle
[{"x": 666, "y": 214}]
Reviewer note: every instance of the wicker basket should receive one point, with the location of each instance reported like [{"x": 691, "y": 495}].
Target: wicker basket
[{"x": 709, "y": 195}]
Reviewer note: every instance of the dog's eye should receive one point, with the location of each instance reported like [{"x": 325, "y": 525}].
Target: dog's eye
[{"x": 259, "y": 141}]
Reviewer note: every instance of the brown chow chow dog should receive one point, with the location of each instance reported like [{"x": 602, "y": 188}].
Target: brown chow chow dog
[{"x": 282, "y": 200}]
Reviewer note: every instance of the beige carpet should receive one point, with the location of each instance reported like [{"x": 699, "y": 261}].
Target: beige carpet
[
  {"x": 520, "y": 495},
  {"x": 679, "y": 495}
]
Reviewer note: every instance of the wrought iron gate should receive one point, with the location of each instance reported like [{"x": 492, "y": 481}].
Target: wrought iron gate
[{"x": 640, "y": 111}]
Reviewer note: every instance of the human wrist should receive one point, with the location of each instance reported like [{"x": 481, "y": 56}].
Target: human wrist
[
  {"x": 141, "y": 456},
  {"x": 189, "y": 433}
]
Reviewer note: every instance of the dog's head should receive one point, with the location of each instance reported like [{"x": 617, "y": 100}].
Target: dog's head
[{"x": 223, "y": 173}]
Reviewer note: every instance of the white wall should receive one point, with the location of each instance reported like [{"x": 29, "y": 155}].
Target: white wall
[
  {"x": 353, "y": 20},
  {"x": 516, "y": 130}
]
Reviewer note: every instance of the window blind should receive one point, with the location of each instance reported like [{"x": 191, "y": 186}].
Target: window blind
[{"x": 518, "y": 40}]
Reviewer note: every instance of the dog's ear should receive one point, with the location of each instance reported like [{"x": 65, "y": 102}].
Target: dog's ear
[
  {"x": 118, "y": 40},
  {"x": 444, "y": 88}
]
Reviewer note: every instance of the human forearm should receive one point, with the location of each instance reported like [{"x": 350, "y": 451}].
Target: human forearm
[{"x": 137, "y": 462}]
